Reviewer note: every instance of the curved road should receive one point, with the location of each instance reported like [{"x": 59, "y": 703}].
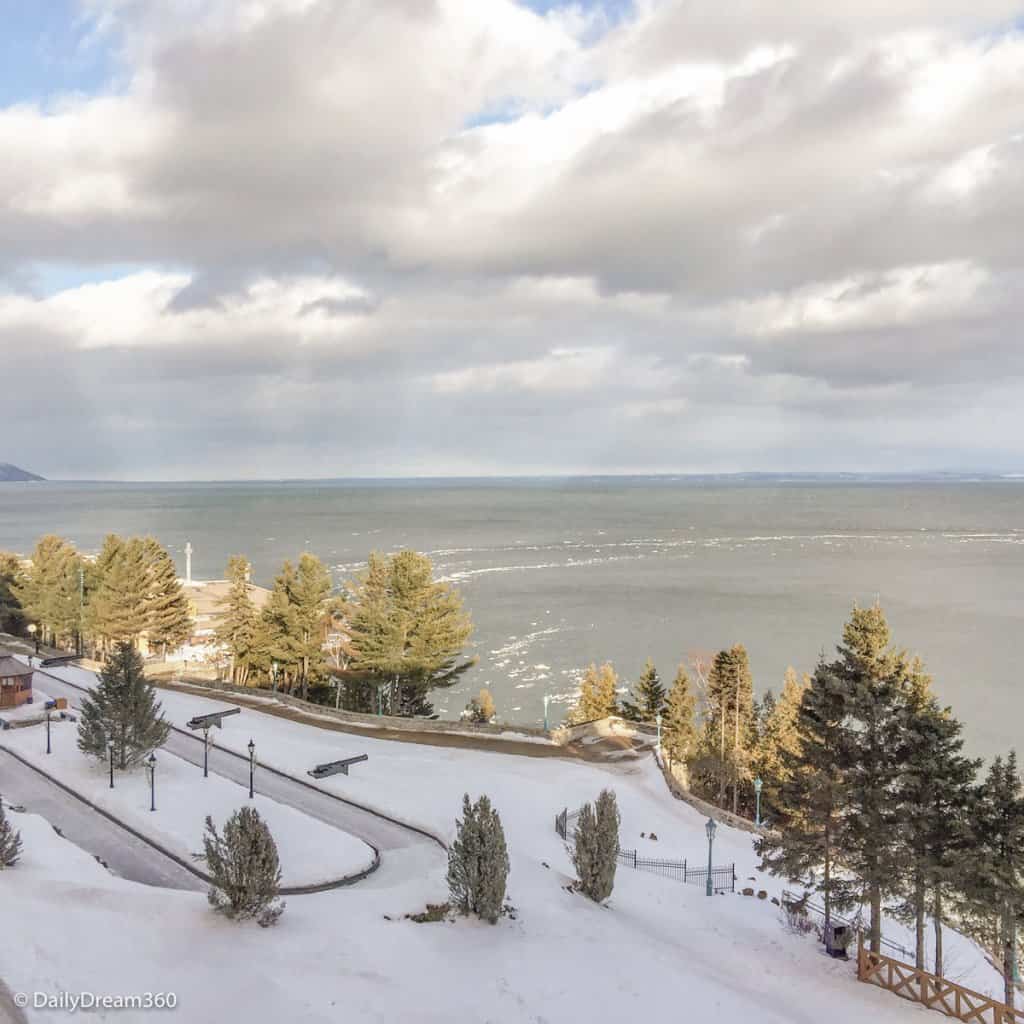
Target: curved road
[
  {"x": 375, "y": 829},
  {"x": 123, "y": 853}
]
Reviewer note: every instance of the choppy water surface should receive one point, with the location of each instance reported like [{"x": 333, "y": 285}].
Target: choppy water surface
[{"x": 559, "y": 573}]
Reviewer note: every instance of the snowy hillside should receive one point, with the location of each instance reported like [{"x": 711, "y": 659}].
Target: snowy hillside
[{"x": 659, "y": 949}]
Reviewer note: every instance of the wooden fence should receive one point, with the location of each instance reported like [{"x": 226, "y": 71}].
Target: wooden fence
[{"x": 934, "y": 992}]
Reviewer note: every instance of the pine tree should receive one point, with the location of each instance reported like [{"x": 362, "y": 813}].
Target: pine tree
[
  {"x": 12, "y": 615},
  {"x": 407, "y": 630},
  {"x": 478, "y": 863},
  {"x": 245, "y": 868},
  {"x": 122, "y": 708},
  {"x": 678, "y": 725},
  {"x": 10, "y": 840},
  {"x": 997, "y": 881},
  {"x": 597, "y": 698},
  {"x": 480, "y": 709},
  {"x": 873, "y": 676},
  {"x": 729, "y": 727},
  {"x": 934, "y": 795},
  {"x": 117, "y": 609},
  {"x": 309, "y": 594},
  {"x": 596, "y": 846},
  {"x": 278, "y": 637},
  {"x": 777, "y": 736},
  {"x": 49, "y": 591},
  {"x": 238, "y": 624},
  {"x": 649, "y": 697},
  {"x": 812, "y": 797},
  {"x": 168, "y": 623}
]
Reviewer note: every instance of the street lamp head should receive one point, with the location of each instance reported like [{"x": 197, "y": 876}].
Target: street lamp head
[
  {"x": 110, "y": 745},
  {"x": 710, "y": 829},
  {"x": 32, "y": 627},
  {"x": 152, "y": 759},
  {"x": 252, "y": 748},
  {"x": 657, "y": 718},
  {"x": 757, "y": 785}
]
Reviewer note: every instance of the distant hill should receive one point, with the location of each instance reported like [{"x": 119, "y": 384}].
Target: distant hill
[{"x": 10, "y": 473}]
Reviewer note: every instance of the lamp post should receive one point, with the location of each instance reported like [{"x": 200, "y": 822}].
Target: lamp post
[
  {"x": 110, "y": 750},
  {"x": 710, "y": 829},
  {"x": 49, "y": 750},
  {"x": 33, "y": 631},
  {"x": 252, "y": 767},
  {"x": 547, "y": 700},
  {"x": 206, "y": 752},
  {"x": 151, "y": 768},
  {"x": 273, "y": 674},
  {"x": 757, "y": 793}
]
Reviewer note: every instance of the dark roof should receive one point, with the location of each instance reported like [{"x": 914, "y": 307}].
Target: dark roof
[{"x": 11, "y": 667}]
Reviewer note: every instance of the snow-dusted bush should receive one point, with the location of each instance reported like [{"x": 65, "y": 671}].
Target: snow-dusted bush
[
  {"x": 596, "y": 846},
  {"x": 10, "y": 841},
  {"x": 478, "y": 861},
  {"x": 245, "y": 868}
]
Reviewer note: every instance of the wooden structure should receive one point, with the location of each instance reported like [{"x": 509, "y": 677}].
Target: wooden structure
[
  {"x": 15, "y": 683},
  {"x": 932, "y": 991}
]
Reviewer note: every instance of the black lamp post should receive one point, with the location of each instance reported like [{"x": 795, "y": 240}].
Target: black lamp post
[
  {"x": 252, "y": 767},
  {"x": 710, "y": 829},
  {"x": 49, "y": 750},
  {"x": 110, "y": 749},
  {"x": 206, "y": 752},
  {"x": 151, "y": 765},
  {"x": 757, "y": 791}
]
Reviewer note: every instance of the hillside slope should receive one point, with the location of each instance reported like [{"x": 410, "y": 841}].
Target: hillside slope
[{"x": 10, "y": 474}]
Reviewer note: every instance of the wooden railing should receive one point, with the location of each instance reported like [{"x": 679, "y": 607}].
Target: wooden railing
[{"x": 934, "y": 992}]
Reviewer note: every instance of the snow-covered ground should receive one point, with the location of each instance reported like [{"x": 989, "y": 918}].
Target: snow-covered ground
[
  {"x": 659, "y": 949},
  {"x": 311, "y": 851}
]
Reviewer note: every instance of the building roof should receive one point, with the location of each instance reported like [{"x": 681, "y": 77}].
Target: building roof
[{"x": 12, "y": 667}]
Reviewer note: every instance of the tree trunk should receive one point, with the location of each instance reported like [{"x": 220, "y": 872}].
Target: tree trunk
[
  {"x": 876, "y": 917},
  {"x": 827, "y": 887},
  {"x": 919, "y": 907},
  {"x": 721, "y": 759},
  {"x": 937, "y": 922},
  {"x": 1009, "y": 929},
  {"x": 736, "y": 753}
]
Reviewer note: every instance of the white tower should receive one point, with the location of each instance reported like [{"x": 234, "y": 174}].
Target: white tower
[{"x": 188, "y": 561}]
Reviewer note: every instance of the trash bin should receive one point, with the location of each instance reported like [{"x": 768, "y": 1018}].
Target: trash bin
[{"x": 837, "y": 938}]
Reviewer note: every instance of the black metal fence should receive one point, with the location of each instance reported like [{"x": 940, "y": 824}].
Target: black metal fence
[
  {"x": 723, "y": 877},
  {"x": 790, "y": 899}
]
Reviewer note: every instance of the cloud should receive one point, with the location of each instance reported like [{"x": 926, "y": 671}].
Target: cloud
[{"x": 424, "y": 235}]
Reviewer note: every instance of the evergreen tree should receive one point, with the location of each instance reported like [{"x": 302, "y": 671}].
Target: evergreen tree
[
  {"x": 478, "y": 863},
  {"x": 168, "y": 623},
  {"x": 238, "y": 624},
  {"x": 813, "y": 796},
  {"x": 678, "y": 725},
  {"x": 935, "y": 796},
  {"x": 596, "y": 846},
  {"x": 649, "y": 697},
  {"x": 309, "y": 594},
  {"x": 407, "y": 630},
  {"x": 117, "y": 609},
  {"x": 12, "y": 615},
  {"x": 874, "y": 677},
  {"x": 278, "y": 638},
  {"x": 10, "y": 840},
  {"x": 997, "y": 880},
  {"x": 597, "y": 695},
  {"x": 245, "y": 868},
  {"x": 777, "y": 737},
  {"x": 729, "y": 733},
  {"x": 480, "y": 708},
  {"x": 49, "y": 591},
  {"x": 123, "y": 708}
]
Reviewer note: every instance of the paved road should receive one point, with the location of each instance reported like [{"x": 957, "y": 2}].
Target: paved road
[
  {"x": 122, "y": 852},
  {"x": 366, "y": 825}
]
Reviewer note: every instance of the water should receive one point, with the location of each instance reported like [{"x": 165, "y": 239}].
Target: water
[{"x": 558, "y": 573}]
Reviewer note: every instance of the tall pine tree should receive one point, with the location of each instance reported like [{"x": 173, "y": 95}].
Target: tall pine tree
[
  {"x": 729, "y": 729},
  {"x": 597, "y": 695},
  {"x": 237, "y": 627},
  {"x": 49, "y": 590},
  {"x": 168, "y": 623},
  {"x": 678, "y": 724},
  {"x": 648, "y": 697},
  {"x": 122, "y": 708},
  {"x": 309, "y": 595},
  {"x": 778, "y": 737}
]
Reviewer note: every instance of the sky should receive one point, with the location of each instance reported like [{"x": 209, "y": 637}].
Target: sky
[{"x": 328, "y": 238}]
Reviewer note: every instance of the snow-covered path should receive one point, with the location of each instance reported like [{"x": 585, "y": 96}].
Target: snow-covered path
[
  {"x": 125, "y": 855},
  {"x": 373, "y": 828}
]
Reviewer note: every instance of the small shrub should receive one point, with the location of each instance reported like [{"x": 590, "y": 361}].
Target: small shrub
[
  {"x": 245, "y": 868},
  {"x": 480, "y": 710},
  {"x": 478, "y": 861},
  {"x": 596, "y": 846},
  {"x": 10, "y": 841},
  {"x": 435, "y": 912}
]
